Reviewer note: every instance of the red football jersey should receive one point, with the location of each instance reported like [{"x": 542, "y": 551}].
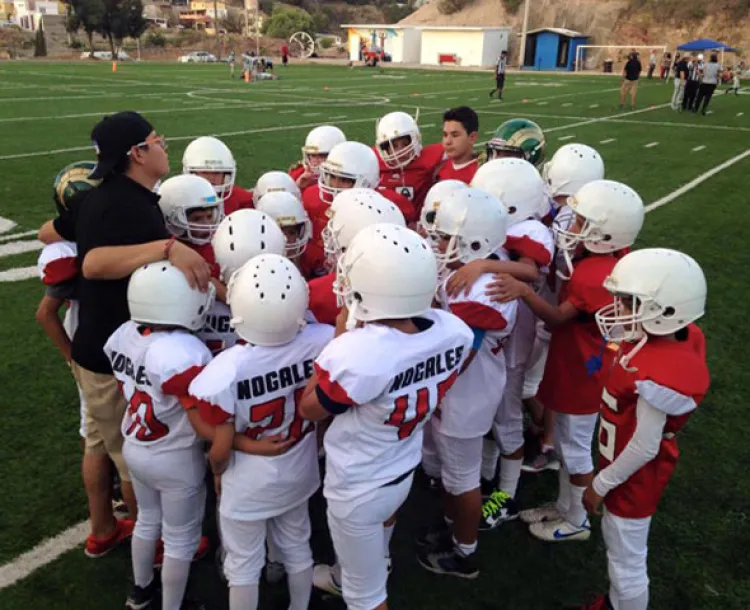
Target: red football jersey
[
  {"x": 323, "y": 303},
  {"x": 578, "y": 354},
  {"x": 239, "y": 199},
  {"x": 316, "y": 209},
  {"x": 677, "y": 365},
  {"x": 464, "y": 172},
  {"x": 296, "y": 171},
  {"x": 414, "y": 180},
  {"x": 207, "y": 252},
  {"x": 401, "y": 202}
]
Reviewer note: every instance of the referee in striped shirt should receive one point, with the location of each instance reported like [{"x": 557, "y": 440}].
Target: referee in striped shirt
[{"x": 502, "y": 63}]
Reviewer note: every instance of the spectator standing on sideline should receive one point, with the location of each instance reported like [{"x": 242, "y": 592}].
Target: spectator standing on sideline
[
  {"x": 117, "y": 228},
  {"x": 735, "y": 85},
  {"x": 630, "y": 75},
  {"x": 681, "y": 72},
  {"x": 666, "y": 64},
  {"x": 692, "y": 83},
  {"x": 651, "y": 64},
  {"x": 231, "y": 63},
  {"x": 711, "y": 76},
  {"x": 284, "y": 54},
  {"x": 502, "y": 64}
]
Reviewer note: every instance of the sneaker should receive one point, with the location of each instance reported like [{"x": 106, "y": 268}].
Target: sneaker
[
  {"x": 142, "y": 597},
  {"x": 546, "y": 512},
  {"x": 487, "y": 487},
  {"x": 446, "y": 560},
  {"x": 323, "y": 579},
  {"x": 274, "y": 572},
  {"x": 500, "y": 507},
  {"x": 600, "y": 603},
  {"x": 204, "y": 546},
  {"x": 99, "y": 547},
  {"x": 545, "y": 460},
  {"x": 430, "y": 538},
  {"x": 561, "y": 531}
]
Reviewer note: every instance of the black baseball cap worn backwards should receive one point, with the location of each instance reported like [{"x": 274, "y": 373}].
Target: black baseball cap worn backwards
[{"x": 114, "y": 136}]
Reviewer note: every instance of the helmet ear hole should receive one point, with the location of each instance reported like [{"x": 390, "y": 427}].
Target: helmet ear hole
[
  {"x": 512, "y": 209},
  {"x": 475, "y": 245},
  {"x": 357, "y": 296},
  {"x": 668, "y": 312}
]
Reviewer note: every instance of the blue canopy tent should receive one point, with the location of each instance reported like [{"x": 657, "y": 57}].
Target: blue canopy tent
[{"x": 705, "y": 44}]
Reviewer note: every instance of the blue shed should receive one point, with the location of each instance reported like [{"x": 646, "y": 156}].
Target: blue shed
[{"x": 552, "y": 49}]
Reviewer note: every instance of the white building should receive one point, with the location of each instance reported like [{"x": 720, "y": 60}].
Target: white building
[
  {"x": 401, "y": 42},
  {"x": 27, "y": 13}
]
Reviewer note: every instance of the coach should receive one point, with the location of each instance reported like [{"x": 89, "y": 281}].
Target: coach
[
  {"x": 630, "y": 75},
  {"x": 117, "y": 228}
]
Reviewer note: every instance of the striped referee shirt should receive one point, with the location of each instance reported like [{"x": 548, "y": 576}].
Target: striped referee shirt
[
  {"x": 695, "y": 70},
  {"x": 501, "y": 63}
]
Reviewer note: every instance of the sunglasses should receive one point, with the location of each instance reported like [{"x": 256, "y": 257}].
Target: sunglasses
[{"x": 160, "y": 140}]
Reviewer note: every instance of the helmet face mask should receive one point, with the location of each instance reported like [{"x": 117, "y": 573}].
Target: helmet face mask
[
  {"x": 318, "y": 144},
  {"x": 192, "y": 211},
  {"x": 398, "y": 139},
  {"x": 292, "y": 219},
  {"x": 200, "y": 224},
  {"x": 519, "y": 138},
  {"x": 349, "y": 165}
]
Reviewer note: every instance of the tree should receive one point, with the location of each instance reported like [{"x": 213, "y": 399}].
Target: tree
[
  {"x": 40, "y": 45},
  {"x": 86, "y": 15},
  {"x": 284, "y": 22},
  {"x": 233, "y": 23},
  {"x": 122, "y": 18}
]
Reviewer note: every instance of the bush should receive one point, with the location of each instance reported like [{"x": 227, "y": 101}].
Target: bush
[
  {"x": 448, "y": 7},
  {"x": 40, "y": 44},
  {"x": 155, "y": 39},
  {"x": 76, "y": 44},
  {"x": 512, "y": 6},
  {"x": 325, "y": 43}
]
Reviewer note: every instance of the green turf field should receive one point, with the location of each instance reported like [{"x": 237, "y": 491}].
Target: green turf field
[{"x": 700, "y": 537}]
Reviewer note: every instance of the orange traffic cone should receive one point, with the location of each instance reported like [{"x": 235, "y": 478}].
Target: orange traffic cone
[
  {"x": 114, "y": 66},
  {"x": 247, "y": 76}
]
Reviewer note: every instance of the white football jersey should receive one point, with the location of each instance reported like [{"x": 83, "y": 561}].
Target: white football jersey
[
  {"x": 260, "y": 388},
  {"x": 469, "y": 408},
  {"x": 57, "y": 265},
  {"x": 388, "y": 384},
  {"x": 153, "y": 370}
]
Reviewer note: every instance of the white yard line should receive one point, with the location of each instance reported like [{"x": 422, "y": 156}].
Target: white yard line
[
  {"x": 608, "y": 140},
  {"x": 19, "y": 247},
  {"x": 697, "y": 148},
  {"x": 650, "y": 145},
  {"x": 14, "y": 236},
  {"x": 16, "y": 275},
  {"x": 569, "y": 137},
  {"x": 240, "y": 104},
  {"x": 6, "y": 224}
]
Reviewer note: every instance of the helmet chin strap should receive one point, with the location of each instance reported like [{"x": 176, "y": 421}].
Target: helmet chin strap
[
  {"x": 351, "y": 319},
  {"x": 625, "y": 360},
  {"x": 566, "y": 275}
]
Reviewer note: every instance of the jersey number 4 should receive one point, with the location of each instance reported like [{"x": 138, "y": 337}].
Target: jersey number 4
[
  {"x": 401, "y": 404},
  {"x": 145, "y": 424},
  {"x": 275, "y": 410}
]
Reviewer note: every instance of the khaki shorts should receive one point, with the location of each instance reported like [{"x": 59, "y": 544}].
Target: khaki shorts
[
  {"x": 105, "y": 408},
  {"x": 629, "y": 86}
]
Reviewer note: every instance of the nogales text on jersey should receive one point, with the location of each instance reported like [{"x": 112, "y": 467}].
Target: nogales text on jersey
[
  {"x": 274, "y": 380},
  {"x": 434, "y": 365},
  {"x": 122, "y": 364}
]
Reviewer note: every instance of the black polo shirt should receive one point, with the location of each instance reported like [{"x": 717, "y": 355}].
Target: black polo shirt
[
  {"x": 120, "y": 212},
  {"x": 632, "y": 69}
]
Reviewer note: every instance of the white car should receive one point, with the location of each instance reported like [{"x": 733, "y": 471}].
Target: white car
[{"x": 197, "y": 57}]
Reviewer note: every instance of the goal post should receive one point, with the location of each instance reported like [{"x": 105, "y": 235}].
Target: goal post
[{"x": 617, "y": 54}]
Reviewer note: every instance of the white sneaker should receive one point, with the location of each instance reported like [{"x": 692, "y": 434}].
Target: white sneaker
[
  {"x": 323, "y": 579},
  {"x": 561, "y": 531},
  {"x": 546, "y": 512},
  {"x": 274, "y": 572}
]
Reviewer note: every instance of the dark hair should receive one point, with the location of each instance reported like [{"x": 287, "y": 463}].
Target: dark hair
[
  {"x": 464, "y": 115},
  {"x": 122, "y": 166},
  {"x": 714, "y": 57},
  {"x": 504, "y": 53}
]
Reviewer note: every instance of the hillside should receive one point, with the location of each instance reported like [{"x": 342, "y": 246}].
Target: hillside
[{"x": 616, "y": 22}]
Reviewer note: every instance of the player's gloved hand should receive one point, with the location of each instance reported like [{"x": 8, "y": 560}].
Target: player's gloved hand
[
  {"x": 192, "y": 264},
  {"x": 507, "y": 288},
  {"x": 464, "y": 278}
]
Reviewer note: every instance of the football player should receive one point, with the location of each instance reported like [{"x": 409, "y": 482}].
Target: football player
[
  {"x": 469, "y": 224},
  {"x": 380, "y": 379},
  {"x": 659, "y": 378},
  {"x": 154, "y": 357},
  {"x": 318, "y": 144},
  {"x": 406, "y": 166},
  {"x": 570, "y": 168},
  {"x": 251, "y": 393},
  {"x": 275, "y": 181},
  {"x": 210, "y": 158},
  {"x": 460, "y": 131},
  {"x": 520, "y": 138},
  {"x": 432, "y": 201},
  {"x": 609, "y": 216}
]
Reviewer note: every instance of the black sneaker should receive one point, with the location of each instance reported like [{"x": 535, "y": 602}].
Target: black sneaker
[
  {"x": 487, "y": 486},
  {"x": 446, "y": 560},
  {"x": 430, "y": 538},
  {"x": 499, "y": 508},
  {"x": 142, "y": 597}
]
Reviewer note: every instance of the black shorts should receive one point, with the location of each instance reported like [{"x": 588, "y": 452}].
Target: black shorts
[
  {"x": 284, "y": 59},
  {"x": 500, "y": 80}
]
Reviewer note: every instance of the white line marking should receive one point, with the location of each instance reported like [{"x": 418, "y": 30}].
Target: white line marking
[
  {"x": 287, "y": 111},
  {"x": 740, "y": 113},
  {"x": 336, "y": 118},
  {"x": 542, "y": 103},
  {"x": 450, "y": 99},
  {"x": 594, "y": 106},
  {"x": 13, "y": 236},
  {"x": 565, "y": 105},
  {"x": 695, "y": 182},
  {"x": 428, "y": 125},
  {"x": 312, "y": 114},
  {"x": 650, "y": 145},
  {"x": 16, "y": 275},
  {"x": 489, "y": 133},
  {"x": 697, "y": 148},
  {"x": 570, "y": 137},
  {"x": 19, "y": 247},
  {"x": 6, "y": 224},
  {"x": 43, "y": 553},
  {"x": 608, "y": 140},
  {"x": 473, "y": 99},
  {"x": 709, "y": 112}
]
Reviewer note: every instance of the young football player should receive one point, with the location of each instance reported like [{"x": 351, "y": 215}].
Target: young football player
[
  {"x": 460, "y": 131},
  {"x": 659, "y": 378},
  {"x": 274, "y": 181},
  {"x": 381, "y": 378},
  {"x": 432, "y": 202},
  {"x": 609, "y": 216},
  {"x": 351, "y": 211},
  {"x": 253, "y": 390},
  {"x": 530, "y": 246},
  {"x": 406, "y": 166},
  {"x": 570, "y": 168},
  {"x": 210, "y": 158},
  {"x": 520, "y": 138},
  {"x": 318, "y": 144},
  {"x": 154, "y": 357},
  {"x": 469, "y": 224}
]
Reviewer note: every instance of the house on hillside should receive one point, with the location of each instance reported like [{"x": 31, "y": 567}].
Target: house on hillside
[{"x": 28, "y": 13}]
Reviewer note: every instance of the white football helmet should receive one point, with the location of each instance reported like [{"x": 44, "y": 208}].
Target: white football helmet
[
  {"x": 612, "y": 215},
  {"x": 351, "y": 211},
  {"x": 432, "y": 202},
  {"x": 474, "y": 221},
  {"x": 320, "y": 141},
  {"x": 388, "y": 272},
  {"x": 396, "y": 125},
  {"x": 517, "y": 184},
  {"x": 182, "y": 194},
  {"x": 159, "y": 294},
  {"x": 572, "y": 167},
  {"x": 209, "y": 154},
  {"x": 349, "y": 161},
  {"x": 268, "y": 298},
  {"x": 241, "y": 236},
  {"x": 274, "y": 181},
  {"x": 289, "y": 213}
]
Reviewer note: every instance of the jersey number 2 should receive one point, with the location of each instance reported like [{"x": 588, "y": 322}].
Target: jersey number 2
[
  {"x": 401, "y": 404},
  {"x": 146, "y": 426},
  {"x": 275, "y": 410}
]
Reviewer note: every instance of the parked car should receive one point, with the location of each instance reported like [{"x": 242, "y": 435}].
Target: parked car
[{"x": 197, "y": 57}]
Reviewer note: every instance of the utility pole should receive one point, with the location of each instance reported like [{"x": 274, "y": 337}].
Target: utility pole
[
  {"x": 522, "y": 57},
  {"x": 247, "y": 19},
  {"x": 257, "y": 28},
  {"x": 216, "y": 31}
]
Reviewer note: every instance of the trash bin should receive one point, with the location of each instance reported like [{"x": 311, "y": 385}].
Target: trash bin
[{"x": 608, "y": 66}]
